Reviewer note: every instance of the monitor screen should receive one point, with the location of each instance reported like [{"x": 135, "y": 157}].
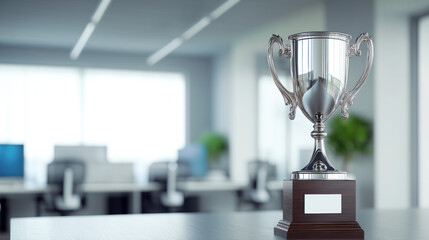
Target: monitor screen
[
  {"x": 196, "y": 156},
  {"x": 12, "y": 160}
]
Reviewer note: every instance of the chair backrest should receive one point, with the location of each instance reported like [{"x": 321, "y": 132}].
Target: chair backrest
[
  {"x": 257, "y": 169},
  {"x": 168, "y": 173},
  {"x": 67, "y": 175},
  {"x": 57, "y": 168},
  {"x": 158, "y": 171},
  {"x": 260, "y": 172}
]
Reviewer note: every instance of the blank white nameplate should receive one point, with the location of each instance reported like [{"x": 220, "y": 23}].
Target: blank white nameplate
[{"x": 322, "y": 203}]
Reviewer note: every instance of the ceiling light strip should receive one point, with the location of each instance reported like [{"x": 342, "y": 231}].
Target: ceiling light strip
[
  {"x": 223, "y": 8},
  {"x": 89, "y": 29},
  {"x": 167, "y": 49},
  {"x": 98, "y": 14},
  {"x": 197, "y": 27},
  {"x": 80, "y": 44}
]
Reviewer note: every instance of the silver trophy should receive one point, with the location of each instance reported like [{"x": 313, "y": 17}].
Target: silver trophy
[{"x": 319, "y": 63}]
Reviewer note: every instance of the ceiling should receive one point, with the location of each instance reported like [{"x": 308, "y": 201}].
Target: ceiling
[{"x": 137, "y": 26}]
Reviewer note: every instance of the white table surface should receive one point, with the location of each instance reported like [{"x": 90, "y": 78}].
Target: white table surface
[
  {"x": 377, "y": 224},
  {"x": 149, "y": 226}
]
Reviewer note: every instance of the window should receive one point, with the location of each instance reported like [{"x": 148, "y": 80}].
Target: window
[{"x": 139, "y": 116}]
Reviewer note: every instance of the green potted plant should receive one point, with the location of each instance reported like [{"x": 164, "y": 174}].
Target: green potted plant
[
  {"x": 348, "y": 137},
  {"x": 216, "y": 145}
]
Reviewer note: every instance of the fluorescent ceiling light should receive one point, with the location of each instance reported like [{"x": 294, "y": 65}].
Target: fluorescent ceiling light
[
  {"x": 197, "y": 27},
  {"x": 89, "y": 29},
  {"x": 223, "y": 8},
  {"x": 167, "y": 49},
  {"x": 80, "y": 44},
  {"x": 98, "y": 14}
]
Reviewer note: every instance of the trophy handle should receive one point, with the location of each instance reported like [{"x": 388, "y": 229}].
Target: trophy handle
[
  {"x": 289, "y": 97},
  {"x": 354, "y": 50}
]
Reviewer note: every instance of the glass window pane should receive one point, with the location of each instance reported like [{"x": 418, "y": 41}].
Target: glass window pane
[
  {"x": 12, "y": 104},
  {"x": 53, "y": 115},
  {"x": 40, "y": 108},
  {"x": 140, "y": 116}
]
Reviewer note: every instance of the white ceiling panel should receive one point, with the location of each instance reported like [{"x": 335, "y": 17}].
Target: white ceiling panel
[{"x": 137, "y": 26}]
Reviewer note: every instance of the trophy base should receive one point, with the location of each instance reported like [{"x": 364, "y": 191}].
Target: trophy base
[
  {"x": 334, "y": 230},
  {"x": 319, "y": 209}
]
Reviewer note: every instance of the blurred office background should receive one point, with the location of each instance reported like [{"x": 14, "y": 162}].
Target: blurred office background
[{"x": 130, "y": 87}]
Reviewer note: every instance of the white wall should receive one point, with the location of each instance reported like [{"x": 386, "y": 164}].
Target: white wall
[
  {"x": 221, "y": 92},
  {"x": 423, "y": 111},
  {"x": 392, "y": 101},
  {"x": 241, "y": 82},
  {"x": 391, "y": 109}
]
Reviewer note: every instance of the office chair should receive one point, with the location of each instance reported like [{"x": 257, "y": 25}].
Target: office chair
[
  {"x": 168, "y": 174},
  {"x": 65, "y": 178},
  {"x": 260, "y": 172}
]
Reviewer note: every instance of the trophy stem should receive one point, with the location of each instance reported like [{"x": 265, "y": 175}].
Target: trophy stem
[{"x": 319, "y": 162}]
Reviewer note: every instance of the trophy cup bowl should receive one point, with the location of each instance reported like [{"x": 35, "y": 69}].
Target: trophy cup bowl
[{"x": 319, "y": 201}]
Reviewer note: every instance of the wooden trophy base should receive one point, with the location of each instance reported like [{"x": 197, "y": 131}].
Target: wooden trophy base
[{"x": 319, "y": 209}]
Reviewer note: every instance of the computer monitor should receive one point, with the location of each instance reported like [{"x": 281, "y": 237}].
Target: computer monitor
[
  {"x": 11, "y": 162},
  {"x": 85, "y": 153},
  {"x": 196, "y": 156}
]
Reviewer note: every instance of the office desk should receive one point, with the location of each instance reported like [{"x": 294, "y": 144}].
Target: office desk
[
  {"x": 378, "y": 224},
  {"x": 36, "y": 191},
  {"x": 8, "y": 190},
  {"x": 134, "y": 190},
  {"x": 11, "y": 189},
  {"x": 186, "y": 186},
  {"x": 213, "y": 186},
  {"x": 191, "y": 187},
  {"x": 119, "y": 187}
]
